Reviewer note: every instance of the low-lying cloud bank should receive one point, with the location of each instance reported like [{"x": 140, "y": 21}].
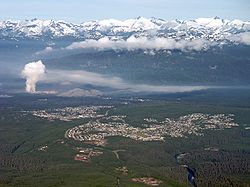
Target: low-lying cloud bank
[
  {"x": 243, "y": 38},
  {"x": 35, "y": 71},
  {"x": 133, "y": 43},
  {"x": 156, "y": 43}
]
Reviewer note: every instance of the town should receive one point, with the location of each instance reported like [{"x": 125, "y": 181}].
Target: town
[
  {"x": 71, "y": 113},
  {"x": 103, "y": 125},
  {"x": 95, "y": 132}
]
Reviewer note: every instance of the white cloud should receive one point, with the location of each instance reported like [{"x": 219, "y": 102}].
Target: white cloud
[
  {"x": 156, "y": 43},
  {"x": 243, "y": 38},
  {"x": 132, "y": 43},
  {"x": 45, "y": 51}
]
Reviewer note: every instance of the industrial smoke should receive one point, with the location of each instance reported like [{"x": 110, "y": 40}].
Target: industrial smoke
[{"x": 33, "y": 72}]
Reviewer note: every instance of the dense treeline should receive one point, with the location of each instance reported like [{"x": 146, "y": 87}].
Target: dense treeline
[
  {"x": 19, "y": 162},
  {"x": 220, "y": 167},
  {"x": 214, "y": 166}
]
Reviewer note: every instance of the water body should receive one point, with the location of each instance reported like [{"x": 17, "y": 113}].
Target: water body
[{"x": 191, "y": 171}]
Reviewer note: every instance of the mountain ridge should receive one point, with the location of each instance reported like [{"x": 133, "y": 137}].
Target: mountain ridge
[{"x": 213, "y": 29}]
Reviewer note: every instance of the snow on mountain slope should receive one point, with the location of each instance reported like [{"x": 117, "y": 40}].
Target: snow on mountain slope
[
  {"x": 213, "y": 29},
  {"x": 211, "y": 22},
  {"x": 35, "y": 27}
]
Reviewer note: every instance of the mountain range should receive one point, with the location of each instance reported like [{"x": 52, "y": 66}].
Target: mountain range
[
  {"x": 140, "y": 51},
  {"x": 212, "y": 29}
]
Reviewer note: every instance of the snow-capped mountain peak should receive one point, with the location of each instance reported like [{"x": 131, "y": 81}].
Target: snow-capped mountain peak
[
  {"x": 215, "y": 22},
  {"x": 215, "y": 28}
]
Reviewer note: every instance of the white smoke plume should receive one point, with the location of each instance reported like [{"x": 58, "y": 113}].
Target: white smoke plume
[
  {"x": 33, "y": 72},
  {"x": 96, "y": 79}
]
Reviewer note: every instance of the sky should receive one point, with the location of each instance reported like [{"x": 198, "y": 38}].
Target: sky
[{"x": 78, "y": 11}]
